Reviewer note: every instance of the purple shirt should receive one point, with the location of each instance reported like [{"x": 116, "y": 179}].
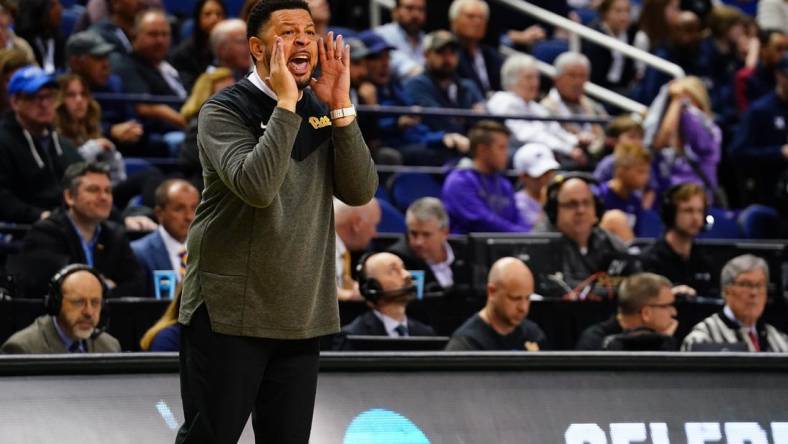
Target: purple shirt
[
  {"x": 702, "y": 138},
  {"x": 531, "y": 211},
  {"x": 632, "y": 205},
  {"x": 479, "y": 202}
]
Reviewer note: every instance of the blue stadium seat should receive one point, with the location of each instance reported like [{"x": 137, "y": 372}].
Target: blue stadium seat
[
  {"x": 69, "y": 19},
  {"x": 548, "y": 50},
  {"x": 181, "y": 8},
  {"x": 759, "y": 222},
  {"x": 392, "y": 220},
  {"x": 407, "y": 187},
  {"x": 725, "y": 225},
  {"x": 383, "y": 194},
  {"x": 649, "y": 224},
  {"x": 187, "y": 28},
  {"x": 135, "y": 165},
  {"x": 587, "y": 15}
]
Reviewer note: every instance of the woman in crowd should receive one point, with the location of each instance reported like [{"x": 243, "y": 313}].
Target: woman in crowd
[
  {"x": 657, "y": 18},
  {"x": 78, "y": 117},
  {"x": 206, "y": 86},
  {"x": 165, "y": 335},
  {"x": 8, "y": 39},
  {"x": 193, "y": 55},
  {"x": 688, "y": 140},
  {"x": 612, "y": 69},
  {"x": 38, "y": 22},
  {"x": 11, "y": 59}
]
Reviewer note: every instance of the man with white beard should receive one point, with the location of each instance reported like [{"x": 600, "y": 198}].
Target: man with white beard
[{"x": 73, "y": 308}]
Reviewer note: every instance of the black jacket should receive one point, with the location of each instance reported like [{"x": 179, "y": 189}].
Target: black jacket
[
  {"x": 594, "y": 336},
  {"x": 368, "y": 324},
  {"x": 602, "y": 59},
  {"x": 492, "y": 61},
  {"x": 29, "y": 180},
  {"x": 112, "y": 254},
  {"x": 606, "y": 254}
]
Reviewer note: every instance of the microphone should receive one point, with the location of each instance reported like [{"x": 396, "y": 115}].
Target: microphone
[
  {"x": 394, "y": 292},
  {"x": 97, "y": 332}
]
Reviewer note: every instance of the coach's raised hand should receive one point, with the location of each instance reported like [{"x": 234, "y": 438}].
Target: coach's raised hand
[
  {"x": 333, "y": 86},
  {"x": 282, "y": 81}
]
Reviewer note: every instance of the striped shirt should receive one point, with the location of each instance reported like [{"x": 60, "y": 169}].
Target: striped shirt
[{"x": 717, "y": 328}]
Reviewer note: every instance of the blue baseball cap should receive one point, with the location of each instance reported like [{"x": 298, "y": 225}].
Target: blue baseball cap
[
  {"x": 30, "y": 80},
  {"x": 374, "y": 42}
]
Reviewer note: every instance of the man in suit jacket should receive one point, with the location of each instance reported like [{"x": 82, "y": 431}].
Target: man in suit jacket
[
  {"x": 478, "y": 62},
  {"x": 70, "y": 326},
  {"x": 387, "y": 287},
  {"x": 82, "y": 233},
  {"x": 165, "y": 248},
  {"x": 426, "y": 247}
]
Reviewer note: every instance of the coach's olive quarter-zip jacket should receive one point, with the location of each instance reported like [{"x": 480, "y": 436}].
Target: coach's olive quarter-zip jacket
[{"x": 261, "y": 247}]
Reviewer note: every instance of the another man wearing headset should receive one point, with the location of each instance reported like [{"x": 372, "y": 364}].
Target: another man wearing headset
[{"x": 73, "y": 311}]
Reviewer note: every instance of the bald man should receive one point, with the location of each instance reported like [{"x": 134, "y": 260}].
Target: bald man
[
  {"x": 585, "y": 249},
  {"x": 501, "y": 324},
  {"x": 387, "y": 288},
  {"x": 355, "y": 227}
]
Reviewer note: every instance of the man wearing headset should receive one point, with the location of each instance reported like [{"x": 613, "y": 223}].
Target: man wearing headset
[
  {"x": 589, "y": 255},
  {"x": 73, "y": 307},
  {"x": 674, "y": 256},
  {"x": 388, "y": 288}
]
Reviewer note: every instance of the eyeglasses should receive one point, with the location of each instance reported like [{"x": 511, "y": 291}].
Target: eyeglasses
[
  {"x": 576, "y": 204},
  {"x": 45, "y": 97},
  {"x": 80, "y": 303},
  {"x": 747, "y": 285}
]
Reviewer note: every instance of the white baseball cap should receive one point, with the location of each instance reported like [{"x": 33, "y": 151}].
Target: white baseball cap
[{"x": 534, "y": 159}]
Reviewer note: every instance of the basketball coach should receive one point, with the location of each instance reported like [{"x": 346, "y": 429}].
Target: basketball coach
[{"x": 259, "y": 289}]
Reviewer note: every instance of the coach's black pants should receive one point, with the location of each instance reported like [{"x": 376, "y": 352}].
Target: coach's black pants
[{"x": 225, "y": 378}]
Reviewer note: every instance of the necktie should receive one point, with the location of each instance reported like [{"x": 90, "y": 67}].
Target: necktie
[
  {"x": 754, "y": 339},
  {"x": 401, "y": 330},
  {"x": 347, "y": 281},
  {"x": 184, "y": 259},
  {"x": 74, "y": 347}
]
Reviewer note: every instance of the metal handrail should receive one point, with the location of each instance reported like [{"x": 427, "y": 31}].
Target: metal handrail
[
  {"x": 595, "y": 36},
  {"x": 377, "y": 109},
  {"x": 576, "y": 29},
  {"x": 592, "y": 89}
]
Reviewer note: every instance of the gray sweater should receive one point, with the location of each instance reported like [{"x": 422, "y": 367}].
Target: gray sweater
[{"x": 261, "y": 247}]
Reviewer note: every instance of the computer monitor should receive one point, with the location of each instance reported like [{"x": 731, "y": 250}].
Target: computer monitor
[
  {"x": 720, "y": 251},
  {"x": 540, "y": 252}
]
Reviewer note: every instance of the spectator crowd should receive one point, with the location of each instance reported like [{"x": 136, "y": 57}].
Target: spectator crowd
[{"x": 100, "y": 168}]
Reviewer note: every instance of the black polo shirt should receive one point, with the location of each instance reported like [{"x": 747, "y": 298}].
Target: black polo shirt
[
  {"x": 593, "y": 336},
  {"x": 475, "y": 334},
  {"x": 695, "y": 271}
]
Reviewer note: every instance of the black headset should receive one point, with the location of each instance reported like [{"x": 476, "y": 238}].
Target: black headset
[
  {"x": 551, "y": 204},
  {"x": 670, "y": 208},
  {"x": 53, "y": 300},
  {"x": 369, "y": 287}
]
